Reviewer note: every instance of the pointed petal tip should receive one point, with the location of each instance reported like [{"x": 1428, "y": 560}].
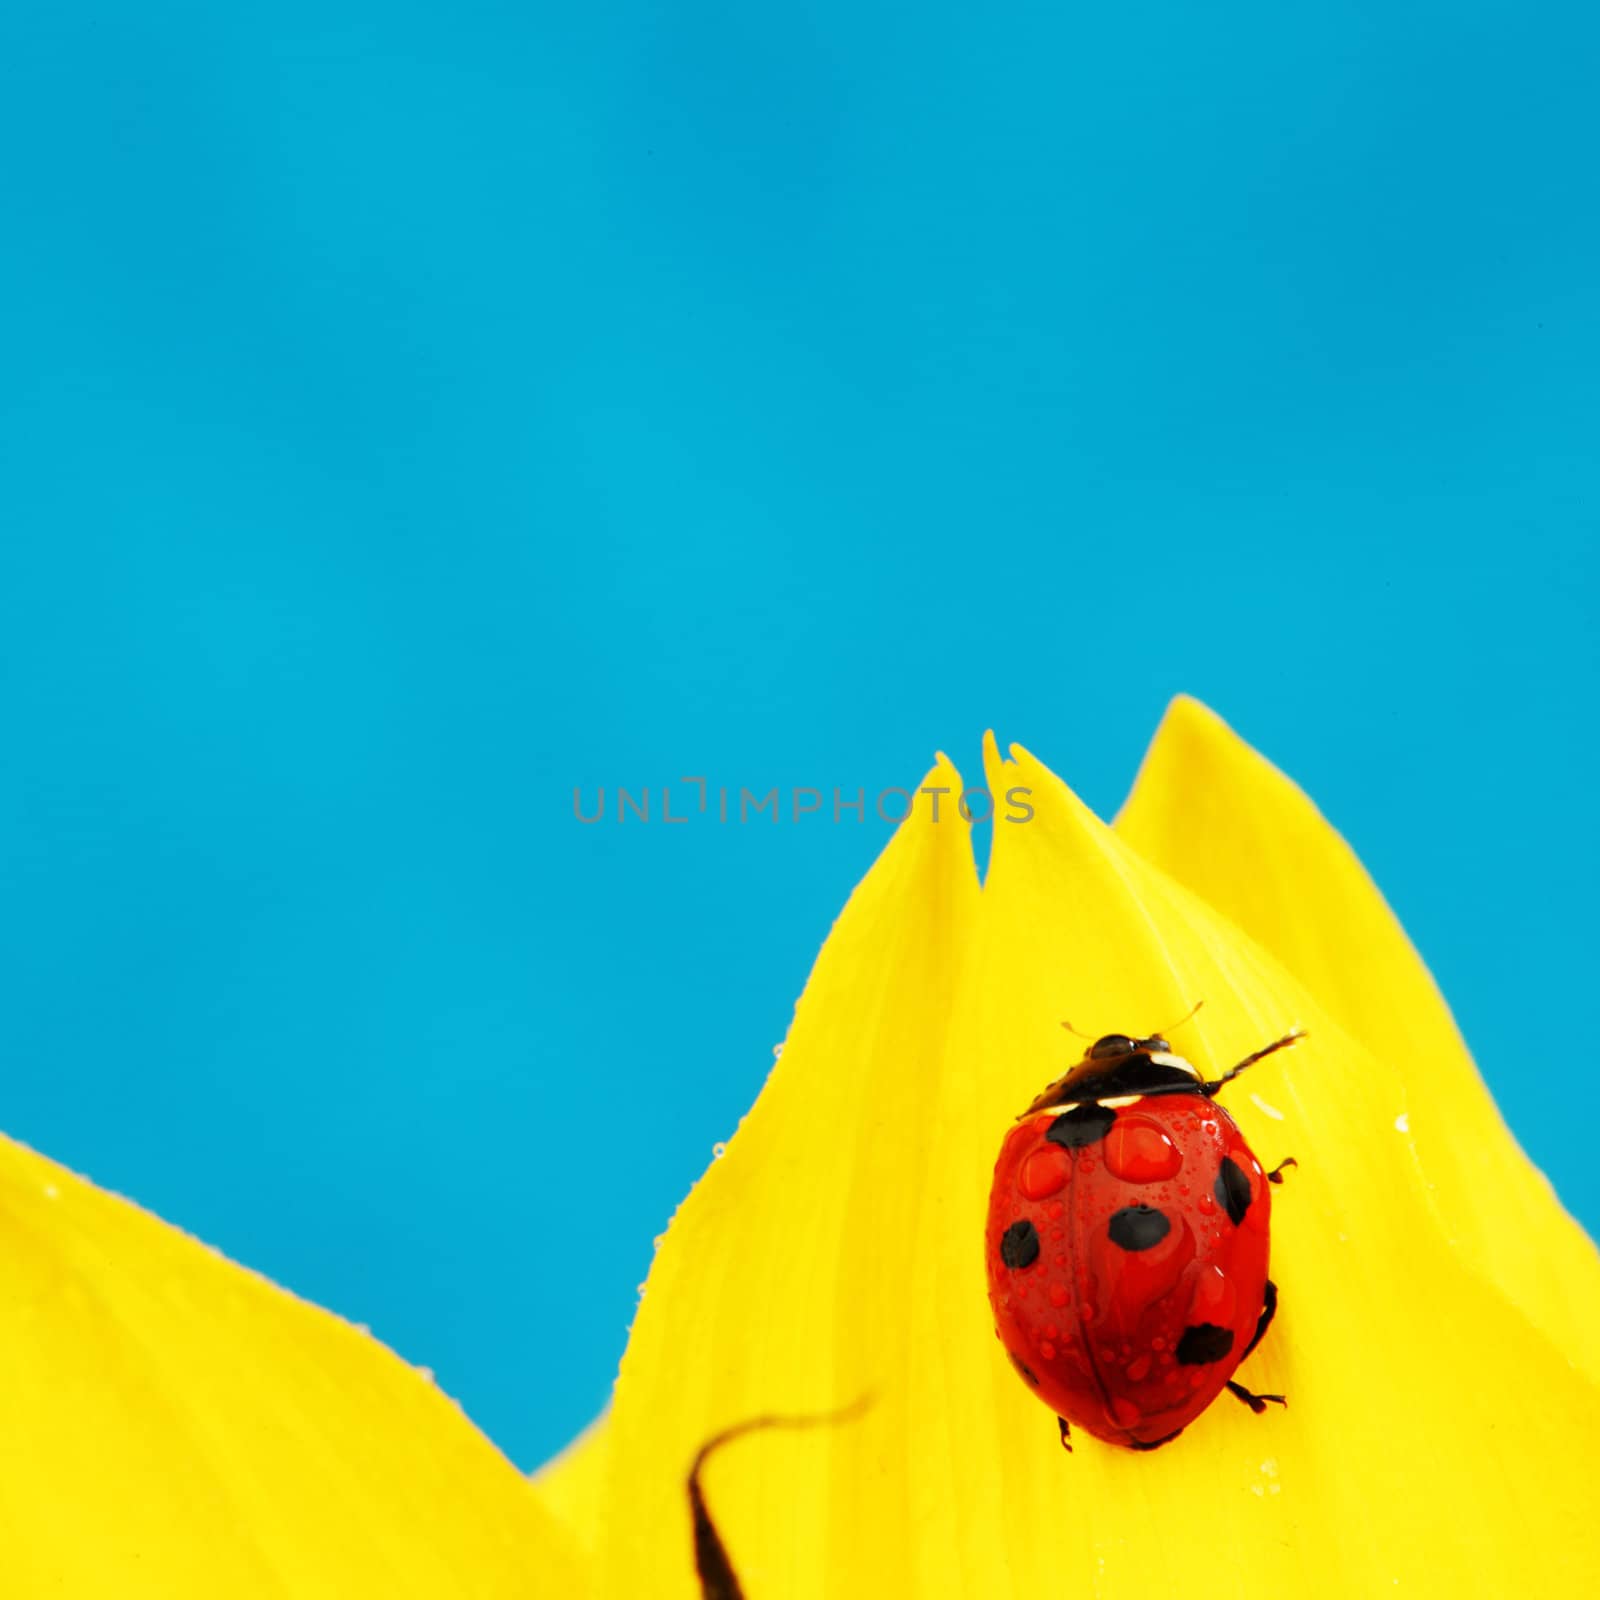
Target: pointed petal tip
[
  {"x": 994, "y": 764},
  {"x": 1189, "y": 717},
  {"x": 937, "y": 796},
  {"x": 1185, "y": 704},
  {"x": 1039, "y": 773},
  {"x": 1192, "y": 745}
]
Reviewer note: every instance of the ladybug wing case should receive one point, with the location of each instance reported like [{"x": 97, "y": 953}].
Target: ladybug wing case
[{"x": 1128, "y": 1260}]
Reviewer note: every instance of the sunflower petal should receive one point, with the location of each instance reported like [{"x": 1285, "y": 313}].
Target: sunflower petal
[
  {"x": 570, "y": 1486},
  {"x": 781, "y": 1284},
  {"x": 1217, "y": 816},
  {"x": 176, "y": 1426},
  {"x": 1435, "y": 1439}
]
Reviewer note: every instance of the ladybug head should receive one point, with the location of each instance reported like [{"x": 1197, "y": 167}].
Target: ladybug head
[
  {"x": 1115, "y": 1045},
  {"x": 1119, "y": 1064}
]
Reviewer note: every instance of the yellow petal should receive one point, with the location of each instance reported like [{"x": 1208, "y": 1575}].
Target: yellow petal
[
  {"x": 570, "y": 1486},
  {"x": 783, "y": 1282},
  {"x": 1221, "y": 819},
  {"x": 176, "y": 1426},
  {"x": 1435, "y": 1442}
]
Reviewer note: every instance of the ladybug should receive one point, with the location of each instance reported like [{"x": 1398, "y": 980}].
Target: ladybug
[{"x": 1126, "y": 1244}]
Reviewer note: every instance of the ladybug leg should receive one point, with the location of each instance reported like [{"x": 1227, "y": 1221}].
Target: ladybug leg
[
  {"x": 1066, "y": 1434},
  {"x": 1256, "y": 1402},
  {"x": 1269, "y": 1309},
  {"x": 1276, "y": 1175},
  {"x": 1154, "y": 1444}
]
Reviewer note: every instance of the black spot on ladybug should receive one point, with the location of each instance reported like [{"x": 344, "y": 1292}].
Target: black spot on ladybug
[
  {"x": 1204, "y": 1343},
  {"x": 1232, "y": 1190},
  {"x": 1085, "y": 1124},
  {"x": 1139, "y": 1227},
  {"x": 1024, "y": 1370},
  {"x": 1019, "y": 1245}
]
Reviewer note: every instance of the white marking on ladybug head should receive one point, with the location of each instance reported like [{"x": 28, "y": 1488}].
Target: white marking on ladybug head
[{"x": 1166, "y": 1058}]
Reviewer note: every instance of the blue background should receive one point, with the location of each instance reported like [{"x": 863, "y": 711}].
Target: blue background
[{"x": 412, "y": 413}]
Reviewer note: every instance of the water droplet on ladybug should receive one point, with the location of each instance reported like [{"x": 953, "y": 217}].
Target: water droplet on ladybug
[
  {"x": 1044, "y": 1172},
  {"x": 1123, "y": 1412},
  {"x": 1215, "y": 1299},
  {"x": 1139, "y": 1150}
]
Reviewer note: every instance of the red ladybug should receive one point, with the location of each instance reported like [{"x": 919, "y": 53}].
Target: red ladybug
[{"x": 1127, "y": 1244}]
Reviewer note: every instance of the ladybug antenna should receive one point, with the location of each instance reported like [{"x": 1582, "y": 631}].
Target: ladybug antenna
[
  {"x": 1070, "y": 1029},
  {"x": 718, "y": 1581},
  {"x": 1292, "y": 1037},
  {"x": 1188, "y": 1016}
]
